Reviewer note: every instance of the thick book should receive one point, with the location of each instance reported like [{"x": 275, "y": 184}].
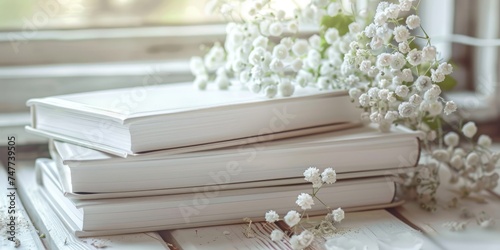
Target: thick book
[
  {"x": 175, "y": 116},
  {"x": 353, "y": 153},
  {"x": 204, "y": 208},
  {"x": 57, "y": 234}
]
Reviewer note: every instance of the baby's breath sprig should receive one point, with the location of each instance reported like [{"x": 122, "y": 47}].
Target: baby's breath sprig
[
  {"x": 384, "y": 58},
  {"x": 298, "y": 221}
]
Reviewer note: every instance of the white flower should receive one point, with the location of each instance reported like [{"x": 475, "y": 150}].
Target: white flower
[
  {"x": 333, "y": 9},
  {"x": 260, "y": 41},
  {"x": 311, "y": 173},
  {"x": 406, "y": 109},
  {"x": 445, "y": 68},
  {"x": 437, "y": 75},
  {"x": 415, "y": 99},
  {"x": 456, "y": 162},
  {"x": 275, "y": 29},
  {"x": 270, "y": 91},
  {"x": 264, "y": 27},
  {"x": 280, "y": 51},
  {"x": 413, "y": 21},
  {"x": 292, "y": 27},
  {"x": 338, "y": 214},
  {"x": 329, "y": 176},
  {"x": 326, "y": 68},
  {"x": 487, "y": 223},
  {"x": 201, "y": 82},
  {"x": 300, "y": 47},
  {"x": 433, "y": 93},
  {"x": 331, "y": 35},
  {"x": 313, "y": 59},
  {"x": 373, "y": 92},
  {"x": 277, "y": 235},
  {"x": 391, "y": 116},
  {"x": 383, "y": 94},
  {"x": 398, "y": 61},
  {"x": 407, "y": 75},
  {"x": 305, "y": 201},
  {"x": 321, "y": 3},
  {"x": 292, "y": 218},
  {"x": 414, "y": 57},
  {"x": 429, "y": 53},
  {"x": 305, "y": 238},
  {"x": 256, "y": 55},
  {"x": 365, "y": 66},
  {"x": 435, "y": 108},
  {"x": 404, "y": 47},
  {"x": 370, "y": 30},
  {"x": 255, "y": 88},
  {"x": 380, "y": 18},
  {"x": 451, "y": 139},
  {"x": 392, "y": 11},
  {"x": 226, "y": 9},
  {"x": 354, "y": 28},
  {"x": 222, "y": 82},
  {"x": 469, "y": 129},
  {"x": 272, "y": 216},
  {"x": 484, "y": 141},
  {"x": 288, "y": 42},
  {"x": 285, "y": 88},
  {"x": 276, "y": 65},
  {"x": 472, "y": 159},
  {"x": 196, "y": 65},
  {"x": 405, "y": 5},
  {"x": 441, "y": 155},
  {"x": 384, "y": 60},
  {"x": 402, "y": 91},
  {"x": 423, "y": 83},
  {"x": 376, "y": 43},
  {"x": 315, "y": 41},
  {"x": 450, "y": 107},
  {"x": 364, "y": 100},
  {"x": 297, "y": 64},
  {"x": 401, "y": 33}
]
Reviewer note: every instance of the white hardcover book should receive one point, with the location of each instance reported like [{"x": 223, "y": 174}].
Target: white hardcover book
[
  {"x": 203, "y": 208},
  {"x": 353, "y": 153},
  {"x": 176, "y": 116},
  {"x": 58, "y": 235}
]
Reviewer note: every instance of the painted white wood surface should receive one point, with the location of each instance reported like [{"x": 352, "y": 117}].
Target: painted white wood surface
[{"x": 26, "y": 232}]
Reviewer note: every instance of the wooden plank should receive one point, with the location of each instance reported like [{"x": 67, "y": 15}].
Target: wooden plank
[
  {"x": 57, "y": 235},
  {"x": 225, "y": 237},
  {"x": 434, "y": 223},
  {"x": 25, "y": 231}
]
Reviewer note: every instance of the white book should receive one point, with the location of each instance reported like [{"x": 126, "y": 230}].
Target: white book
[
  {"x": 204, "y": 208},
  {"x": 353, "y": 153},
  {"x": 57, "y": 234},
  {"x": 176, "y": 116}
]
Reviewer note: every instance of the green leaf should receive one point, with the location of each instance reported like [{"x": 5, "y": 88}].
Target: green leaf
[
  {"x": 340, "y": 22},
  {"x": 432, "y": 122},
  {"x": 448, "y": 84}
]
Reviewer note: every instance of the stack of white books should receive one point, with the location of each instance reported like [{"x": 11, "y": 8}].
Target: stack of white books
[{"x": 169, "y": 157}]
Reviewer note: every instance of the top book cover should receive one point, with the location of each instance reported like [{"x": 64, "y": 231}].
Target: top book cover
[{"x": 180, "y": 118}]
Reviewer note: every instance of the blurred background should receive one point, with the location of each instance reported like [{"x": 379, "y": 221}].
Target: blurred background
[{"x": 52, "y": 47}]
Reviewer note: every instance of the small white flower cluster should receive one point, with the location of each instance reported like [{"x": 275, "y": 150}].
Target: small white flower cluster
[
  {"x": 250, "y": 56},
  {"x": 305, "y": 201},
  {"x": 476, "y": 164},
  {"x": 401, "y": 80},
  {"x": 378, "y": 61}
]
